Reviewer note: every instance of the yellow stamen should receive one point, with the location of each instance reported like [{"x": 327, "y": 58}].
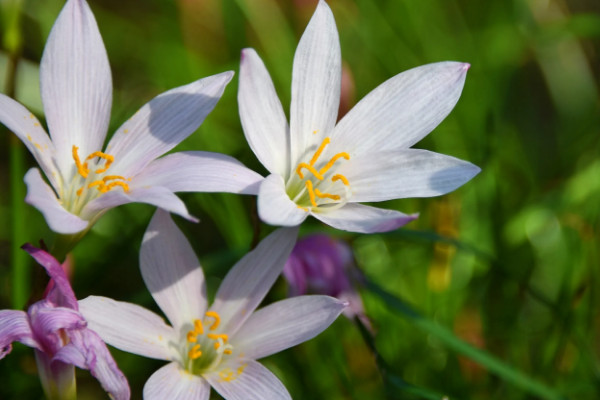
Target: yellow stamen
[
  {"x": 192, "y": 337},
  {"x": 311, "y": 193},
  {"x": 79, "y": 191},
  {"x": 227, "y": 351},
  {"x": 113, "y": 177},
  {"x": 109, "y": 160},
  {"x": 310, "y": 168},
  {"x": 341, "y": 178},
  {"x": 319, "y": 151},
  {"x": 195, "y": 352},
  {"x": 96, "y": 183},
  {"x": 198, "y": 328},
  {"x": 113, "y": 184},
  {"x": 217, "y": 318},
  {"x": 82, "y": 169},
  {"x": 217, "y": 336},
  {"x": 326, "y": 195},
  {"x": 333, "y": 160}
]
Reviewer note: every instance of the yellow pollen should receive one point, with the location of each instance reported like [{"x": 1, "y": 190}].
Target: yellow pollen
[
  {"x": 96, "y": 183},
  {"x": 217, "y": 336},
  {"x": 195, "y": 352},
  {"x": 333, "y": 160},
  {"x": 326, "y": 195},
  {"x": 315, "y": 157},
  {"x": 302, "y": 208},
  {"x": 113, "y": 184},
  {"x": 82, "y": 169},
  {"x": 109, "y": 160},
  {"x": 227, "y": 351},
  {"x": 241, "y": 368},
  {"x": 114, "y": 177},
  {"x": 192, "y": 337},
  {"x": 198, "y": 328},
  {"x": 310, "y": 168},
  {"x": 217, "y": 318},
  {"x": 311, "y": 193},
  {"x": 79, "y": 191},
  {"x": 341, "y": 178}
]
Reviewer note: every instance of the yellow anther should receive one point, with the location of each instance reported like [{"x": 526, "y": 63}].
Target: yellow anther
[
  {"x": 217, "y": 336},
  {"x": 79, "y": 191},
  {"x": 81, "y": 168},
  {"x": 311, "y": 193},
  {"x": 217, "y": 317},
  {"x": 198, "y": 328},
  {"x": 117, "y": 183},
  {"x": 333, "y": 160},
  {"x": 109, "y": 160},
  {"x": 113, "y": 177},
  {"x": 315, "y": 157},
  {"x": 195, "y": 352},
  {"x": 192, "y": 337},
  {"x": 97, "y": 183},
  {"x": 326, "y": 195},
  {"x": 227, "y": 351},
  {"x": 341, "y": 178},
  {"x": 310, "y": 168}
]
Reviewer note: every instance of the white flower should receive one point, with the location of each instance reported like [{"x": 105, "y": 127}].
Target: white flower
[
  {"x": 322, "y": 169},
  {"x": 213, "y": 345},
  {"x": 85, "y": 181}
]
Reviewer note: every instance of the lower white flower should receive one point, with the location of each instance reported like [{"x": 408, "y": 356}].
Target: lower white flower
[{"x": 210, "y": 346}]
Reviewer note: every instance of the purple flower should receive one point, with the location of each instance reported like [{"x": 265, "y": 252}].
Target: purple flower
[
  {"x": 324, "y": 265},
  {"x": 58, "y": 332}
]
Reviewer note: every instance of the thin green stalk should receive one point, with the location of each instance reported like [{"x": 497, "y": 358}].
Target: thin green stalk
[{"x": 491, "y": 363}]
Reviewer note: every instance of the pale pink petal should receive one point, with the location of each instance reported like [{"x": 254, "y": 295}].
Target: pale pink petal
[
  {"x": 316, "y": 81},
  {"x": 285, "y": 324},
  {"x": 402, "y": 110},
  {"x": 76, "y": 84},
  {"x": 275, "y": 206},
  {"x": 364, "y": 219},
  {"x": 130, "y": 327},
  {"x": 155, "y": 195},
  {"x": 164, "y": 122},
  {"x": 250, "y": 381},
  {"x": 262, "y": 116},
  {"x": 200, "y": 171},
  {"x": 14, "y": 327},
  {"x": 42, "y": 197},
  {"x": 173, "y": 383},
  {"x": 404, "y": 173},
  {"x": 172, "y": 272},
  {"x": 250, "y": 279},
  {"x": 27, "y": 128}
]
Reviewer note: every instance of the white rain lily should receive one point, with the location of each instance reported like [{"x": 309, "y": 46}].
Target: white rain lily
[
  {"x": 214, "y": 345},
  {"x": 76, "y": 91},
  {"x": 322, "y": 169}
]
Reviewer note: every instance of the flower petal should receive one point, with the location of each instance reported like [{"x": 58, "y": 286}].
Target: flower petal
[
  {"x": 155, "y": 195},
  {"x": 275, "y": 206},
  {"x": 129, "y": 327},
  {"x": 264, "y": 122},
  {"x": 164, "y": 122},
  {"x": 200, "y": 171},
  {"x": 42, "y": 197},
  {"x": 14, "y": 326},
  {"x": 172, "y": 271},
  {"x": 173, "y": 383},
  {"x": 76, "y": 84},
  {"x": 285, "y": 324},
  {"x": 402, "y": 110},
  {"x": 316, "y": 82},
  {"x": 87, "y": 351},
  {"x": 404, "y": 173},
  {"x": 27, "y": 128},
  {"x": 250, "y": 279},
  {"x": 249, "y": 380},
  {"x": 364, "y": 219},
  {"x": 60, "y": 293}
]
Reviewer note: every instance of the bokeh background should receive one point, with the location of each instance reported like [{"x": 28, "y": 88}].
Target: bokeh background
[{"x": 508, "y": 264}]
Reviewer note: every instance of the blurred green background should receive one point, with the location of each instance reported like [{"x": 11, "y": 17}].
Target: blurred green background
[{"x": 509, "y": 263}]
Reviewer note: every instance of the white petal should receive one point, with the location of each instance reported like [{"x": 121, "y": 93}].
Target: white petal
[
  {"x": 155, "y": 195},
  {"x": 164, "y": 122},
  {"x": 364, "y": 219},
  {"x": 76, "y": 84},
  {"x": 316, "y": 81},
  {"x": 129, "y": 327},
  {"x": 27, "y": 128},
  {"x": 405, "y": 173},
  {"x": 262, "y": 116},
  {"x": 402, "y": 110},
  {"x": 255, "y": 382},
  {"x": 42, "y": 197},
  {"x": 200, "y": 171},
  {"x": 172, "y": 271},
  {"x": 250, "y": 279},
  {"x": 286, "y": 323},
  {"x": 275, "y": 206},
  {"x": 173, "y": 383}
]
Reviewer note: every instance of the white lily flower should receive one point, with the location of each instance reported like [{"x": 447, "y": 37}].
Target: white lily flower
[
  {"x": 322, "y": 169},
  {"x": 85, "y": 181},
  {"x": 213, "y": 345}
]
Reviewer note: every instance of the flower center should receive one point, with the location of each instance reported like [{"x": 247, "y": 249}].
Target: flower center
[
  {"x": 104, "y": 184},
  {"x": 310, "y": 194},
  {"x": 206, "y": 347}
]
